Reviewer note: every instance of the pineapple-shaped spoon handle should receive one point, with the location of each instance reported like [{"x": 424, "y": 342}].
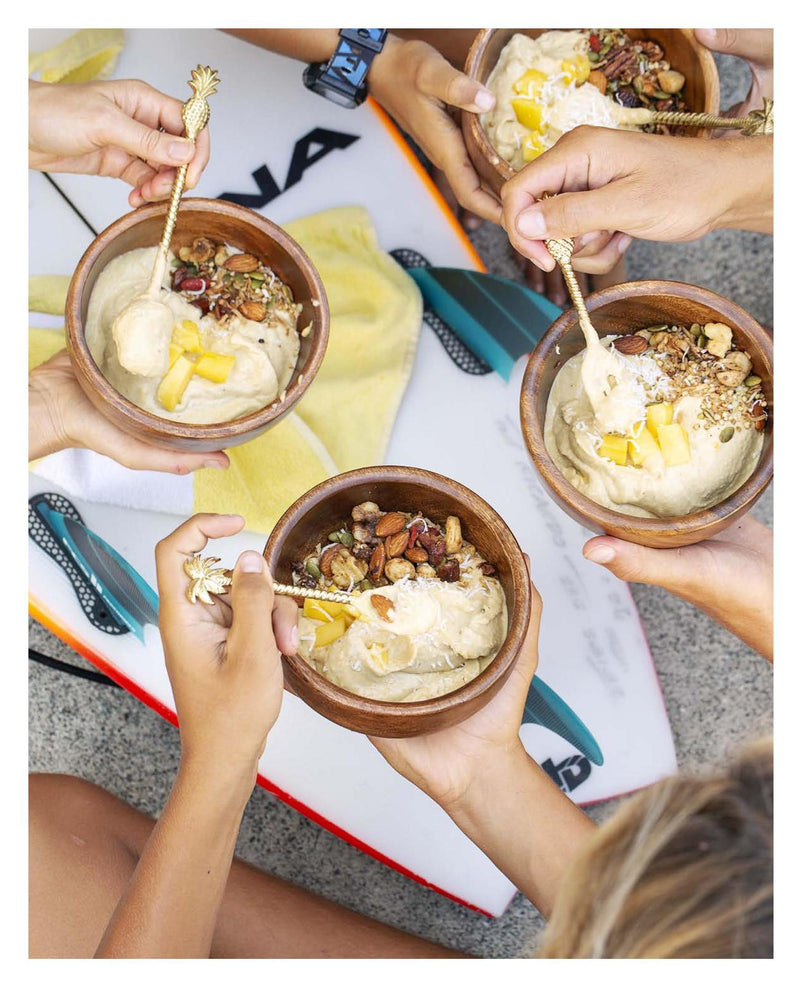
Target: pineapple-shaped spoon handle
[
  {"x": 206, "y": 580},
  {"x": 204, "y": 82}
]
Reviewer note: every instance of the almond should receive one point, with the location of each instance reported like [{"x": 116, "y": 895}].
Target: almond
[
  {"x": 382, "y": 605},
  {"x": 253, "y": 310},
  {"x": 326, "y": 559},
  {"x": 242, "y": 263},
  {"x": 598, "y": 80},
  {"x": 417, "y": 555},
  {"x": 376, "y": 562},
  {"x": 390, "y": 523},
  {"x": 630, "y": 345},
  {"x": 396, "y": 544}
]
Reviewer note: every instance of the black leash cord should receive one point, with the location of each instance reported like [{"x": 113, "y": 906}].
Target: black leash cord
[{"x": 52, "y": 662}]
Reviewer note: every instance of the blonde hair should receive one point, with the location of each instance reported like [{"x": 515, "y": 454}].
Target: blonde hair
[{"x": 684, "y": 870}]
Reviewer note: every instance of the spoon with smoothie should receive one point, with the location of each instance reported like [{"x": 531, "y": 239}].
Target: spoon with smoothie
[{"x": 143, "y": 329}]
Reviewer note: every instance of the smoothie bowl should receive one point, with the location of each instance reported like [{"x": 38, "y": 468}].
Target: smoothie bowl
[
  {"x": 682, "y": 444},
  {"x": 441, "y": 599},
  {"x": 547, "y": 82},
  {"x": 245, "y": 329}
]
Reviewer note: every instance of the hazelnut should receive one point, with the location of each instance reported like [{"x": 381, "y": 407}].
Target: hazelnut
[
  {"x": 399, "y": 568},
  {"x": 365, "y": 511}
]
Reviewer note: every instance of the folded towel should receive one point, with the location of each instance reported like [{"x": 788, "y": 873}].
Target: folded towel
[
  {"x": 88, "y": 54},
  {"x": 343, "y": 422}
]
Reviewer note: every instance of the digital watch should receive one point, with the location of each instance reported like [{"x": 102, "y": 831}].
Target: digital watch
[{"x": 343, "y": 78}]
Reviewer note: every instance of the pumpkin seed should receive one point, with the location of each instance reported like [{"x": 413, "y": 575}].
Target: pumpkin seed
[
  {"x": 702, "y": 341},
  {"x": 365, "y": 585},
  {"x": 752, "y": 381},
  {"x": 313, "y": 569},
  {"x": 347, "y": 539},
  {"x": 726, "y": 434},
  {"x": 335, "y": 536},
  {"x": 694, "y": 328},
  {"x": 594, "y": 56}
]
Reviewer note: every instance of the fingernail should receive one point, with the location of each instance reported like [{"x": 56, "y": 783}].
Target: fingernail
[
  {"x": 531, "y": 223},
  {"x": 602, "y": 554},
  {"x": 251, "y": 561},
  {"x": 484, "y": 99},
  {"x": 623, "y": 243},
  {"x": 180, "y": 150},
  {"x": 215, "y": 464},
  {"x": 294, "y": 637}
]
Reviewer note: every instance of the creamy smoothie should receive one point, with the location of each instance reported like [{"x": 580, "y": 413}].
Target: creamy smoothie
[
  {"x": 426, "y": 613},
  {"x": 194, "y": 363},
  {"x": 549, "y": 85},
  {"x": 690, "y": 425}
]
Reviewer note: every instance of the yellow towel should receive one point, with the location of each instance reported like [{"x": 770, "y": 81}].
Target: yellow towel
[
  {"x": 88, "y": 54},
  {"x": 346, "y": 417}
]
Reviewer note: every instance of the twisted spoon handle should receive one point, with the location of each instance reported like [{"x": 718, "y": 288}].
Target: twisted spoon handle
[
  {"x": 206, "y": 580},
  {"x": 196, "y": 111},
  {"x": 756, "y": 123}
]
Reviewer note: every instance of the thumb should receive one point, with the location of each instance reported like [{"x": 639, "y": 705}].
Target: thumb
[
  {"x": 441, "y": 81},
  {"x": 571, "y": 214},
  {"x": 144, "y": 142},
  {"x": 755, "y": 44},
  {"x": 671, "y": 568},
  {"x": 251, "y": 637}
]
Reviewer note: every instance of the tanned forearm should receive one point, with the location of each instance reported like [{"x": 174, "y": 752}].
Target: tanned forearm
[
  {"x": 747, "y": 168},
  {"x": 525, "y": 825},
  {"x": 312, "y": 45},
  {"x": 171, "y": 905}
]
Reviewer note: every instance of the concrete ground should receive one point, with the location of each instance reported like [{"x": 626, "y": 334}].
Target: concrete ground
[{"x": 718, "y": 692}]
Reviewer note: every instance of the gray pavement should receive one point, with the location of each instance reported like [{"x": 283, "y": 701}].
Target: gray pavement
[{"x": 718, "y": 693}]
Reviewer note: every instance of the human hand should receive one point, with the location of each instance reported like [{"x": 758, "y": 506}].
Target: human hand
[
  {"x": 444, "y": 764},
  {"x": 415, "y": 85},
  {"x": 636, "y": 184},
  {"x": 223, "y": 661},
  {"x": 60, "y": 416},
  {"x": 122, "y": 129},
  {"x": 729, "y": 577},
  {"x": 755, "y": 46}
]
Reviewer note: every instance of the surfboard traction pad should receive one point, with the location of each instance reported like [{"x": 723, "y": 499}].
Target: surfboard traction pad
[
  {"x": 458, "y": 351},
  {"x": 40, "y": 532}
]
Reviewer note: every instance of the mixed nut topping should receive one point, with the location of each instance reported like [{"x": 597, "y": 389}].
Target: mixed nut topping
[
  {"x": 222, "y": 283},
  {"x": 702, "y": 361},
  {"x": 376, "y": 548},
  {"x": 635, "y": 73}
]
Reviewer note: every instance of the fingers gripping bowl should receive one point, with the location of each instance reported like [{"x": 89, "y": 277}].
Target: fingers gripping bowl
[
  {"x": 242, "y": 231},
  {"x": 327, "y": 508},
  {"x": 623, "y": 310}
]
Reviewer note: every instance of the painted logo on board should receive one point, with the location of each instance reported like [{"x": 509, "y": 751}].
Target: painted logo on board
[
  {"x": 569, "y": 773},
  {"x": 313, "y": 147}
]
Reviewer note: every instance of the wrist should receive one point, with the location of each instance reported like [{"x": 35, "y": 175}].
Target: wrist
[
  {"x": 746, "y": 167},
  {"x": 46, "y": 431},
  {"x": 206, "y": 781},
  {"x": 382, "y": 70},
  {"x": 492, "y": 775}
]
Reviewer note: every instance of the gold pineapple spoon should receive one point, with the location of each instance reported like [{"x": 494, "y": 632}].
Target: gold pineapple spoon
[
  {"x": 757, "y": 123},
  {"x": 206, "y": 580}
]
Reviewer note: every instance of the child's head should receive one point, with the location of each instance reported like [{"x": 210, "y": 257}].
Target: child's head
[{"x": 684, "y": 870}]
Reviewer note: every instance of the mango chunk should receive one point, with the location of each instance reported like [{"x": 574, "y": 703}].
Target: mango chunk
[
  {"x": 174, "y": 352},
  {"x": 532, "y": 147},
  {"x": 321, "y": 609},
  {"x": 658, "y": 414},
  {"x": 614, "y": 447},
  {"x": 215, "y": 366},
  {"x": 577, "y": 69},
  {"x": 641, "y": 446},
  {"x": 674, "y": 444},
  {"x": 187, "y": 336},
  {"x": 175, "y": 381},
  {"x": 528, "y": 112},
  {"x": 328, "y": 632},
  {"x": 530, "y": 84}
]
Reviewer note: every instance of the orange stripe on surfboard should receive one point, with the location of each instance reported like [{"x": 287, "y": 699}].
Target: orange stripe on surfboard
[{"x": 426, "y": 179}]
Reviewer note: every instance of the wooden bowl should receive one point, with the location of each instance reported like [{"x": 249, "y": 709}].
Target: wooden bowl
[
  {"x": 624, "y": 308},
  {"x": 681, "y": 49},
  {"x": 323, "y": 509},
  {"x": 240, "y": 228}
]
